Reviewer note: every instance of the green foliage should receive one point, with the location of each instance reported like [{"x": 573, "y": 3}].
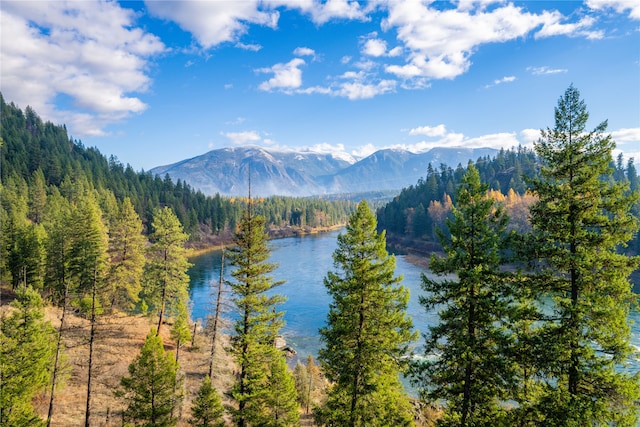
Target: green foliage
[
  {"x": 581, "y": 220},
  {"x": 152, "y": 391},
  {"x": 258, "y": 321},
  {"x": 466, "y": 354},
  {"x": 166, "y": 278},
  {"x": 180, "y": 331},
  {"x": 403, "y": 215},
  {"x": 126, "y": 251},
  {"x": 207, "y": 409},
  {"x": 27, "y": 347},
  {"x": 281, "y": 401},
  {"x": 368, "y": 331},
  {"x": 43, "y": 154}
]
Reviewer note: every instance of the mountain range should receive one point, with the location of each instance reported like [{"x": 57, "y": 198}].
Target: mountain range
[{"x": 297, "y": 174}]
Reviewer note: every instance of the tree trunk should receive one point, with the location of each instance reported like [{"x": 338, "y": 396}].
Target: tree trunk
[
  {"x": 91, "y": 339},
  {"x": 54, "y": 375}
]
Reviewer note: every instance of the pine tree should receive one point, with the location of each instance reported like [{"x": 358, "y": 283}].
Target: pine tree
[
  {"x": 368, "y": 332},
  {"x": 166, "y": 271},
  {"x": 153, "y": 389},
  {"x": 471, "y": 373},
  {"x": 180, "y": 331},
  {"x": 207, "y": 409},
  {"x": 27, "y": 347},
  {"x": 258, "y": 322},
  {"x": 281, "y": 402},
  {"x": 580, "y": 221},
  {"x": 126, "y": 250}
]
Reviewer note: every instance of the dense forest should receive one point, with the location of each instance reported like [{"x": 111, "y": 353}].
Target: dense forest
[
  {"x": 36, "y": 153},
  {"x": 420, "y": 210}
]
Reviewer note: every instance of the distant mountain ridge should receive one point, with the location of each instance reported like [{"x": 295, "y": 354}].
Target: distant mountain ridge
[{"x": 297, "y": 174}]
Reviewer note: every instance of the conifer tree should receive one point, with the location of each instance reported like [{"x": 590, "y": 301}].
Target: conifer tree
[
  {"x": 153, "y": 389},
  {"x": 207, "y": 409},
  {"x": 27, "y": 346},
  {"x": 281, "y": 402},
  {"x": 471, "y": 373},
  {"x": 258, "y": 321},
  {"x": 126, "y": 251},
  {"x": 579, "y": 222},
  {"x": 368, "y": 332},
  {"x": 166, "y": 271},
  {"x": 180, "y": 331}
]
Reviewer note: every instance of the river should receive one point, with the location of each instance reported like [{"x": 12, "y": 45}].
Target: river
[{"x": 303, "y": 263}]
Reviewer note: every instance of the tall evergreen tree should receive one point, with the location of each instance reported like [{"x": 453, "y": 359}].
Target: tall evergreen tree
[
  {"x": 126, "y": 250},
  {"x": 27, "y": 346},
  {"x": 258, "y": 321},
  {"x": 368, "y": 331},
  {"x": 471, "y": 373},
  {"x": 282, "y": 399},
  {"x": 207, "y": 409},
  {"x": 580, "y": 220},
  {"x": 166, "y": 271},
  {"x": 152, "y": 390}
]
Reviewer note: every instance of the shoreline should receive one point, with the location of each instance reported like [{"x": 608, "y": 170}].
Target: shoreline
[{"x": 225, "y": 240}]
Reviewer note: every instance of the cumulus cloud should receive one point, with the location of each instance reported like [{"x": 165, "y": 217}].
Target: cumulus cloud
[
  {"x": 240, "y": 138},
  {"x": 441, "y": 42},
  {"x": 322, "y": 12},
  {"x": 620, "y": 6},
  {"x": 553, "y": 26},
  {"x": 214, "y": 22},
  {"x": 90, "y": 52},
  {"x": 285, "y": 76},
  {"x": 304, "y": 51}
]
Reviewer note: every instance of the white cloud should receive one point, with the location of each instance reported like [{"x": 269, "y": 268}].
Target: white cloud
[
  {"x": 506, "y": 79},
  {"x": 439, "y": 130},
  {"x": 253, "y": 47},
  {"x": 286, "y": 76},
  {"x": 304, "y": 51},
  {"x": 358, "y": 90},
  {"x": 240, "y": 138},
  {"x": 375, "y": 47},
  {"x": 544, "y": 70},
  {"x": 441, "y": 42},
  {"x": 364, "y": 151},
  {"x": 88, "y": 51},
  {"x": 529, "y": 136},
  {"x": 620, "y": 6},
  {"x": 626, "y": 135},
  {"x": 322, "y": 12},
  {"x": 214, "y": 22},
  {"x": 553, "y": 26}
]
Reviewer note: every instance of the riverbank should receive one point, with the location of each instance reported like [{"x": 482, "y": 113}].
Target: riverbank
[{"x": 206, "y": 242}]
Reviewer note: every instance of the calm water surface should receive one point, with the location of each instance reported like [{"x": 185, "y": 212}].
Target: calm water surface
[{"x": 303, "y": 262}]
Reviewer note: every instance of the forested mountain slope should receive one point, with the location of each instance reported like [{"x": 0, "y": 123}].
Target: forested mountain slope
[
  {"x": 422, "y": 208},
  {"x": 40, "y": 153}
]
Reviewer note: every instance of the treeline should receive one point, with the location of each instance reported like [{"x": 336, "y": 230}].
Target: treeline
[
  {"x": 34, "y": 152},
  {"x": 421, "y": 209}
]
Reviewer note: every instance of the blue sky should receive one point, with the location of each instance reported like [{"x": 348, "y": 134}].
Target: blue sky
[{"x": 156, "y": 82}]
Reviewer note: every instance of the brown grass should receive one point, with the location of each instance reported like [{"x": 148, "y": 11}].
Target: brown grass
[{"x": 118, "y": 341}]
